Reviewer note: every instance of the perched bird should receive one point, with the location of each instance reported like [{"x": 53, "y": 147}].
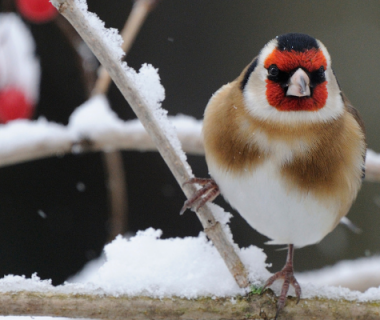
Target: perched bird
[{"x": 284, "y": 147}]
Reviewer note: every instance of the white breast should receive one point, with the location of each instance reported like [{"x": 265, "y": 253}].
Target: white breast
[{"x": 273, "y": 208}]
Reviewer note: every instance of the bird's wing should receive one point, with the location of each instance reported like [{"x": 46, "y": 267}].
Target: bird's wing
[{"x": 350, "y": 108}]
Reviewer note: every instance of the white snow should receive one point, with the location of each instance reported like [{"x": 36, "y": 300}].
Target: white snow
[
  {"x": 19, "y": 66},
  {"x": 147, "y": 82},
  {"x": 110, "y": 36},
  {"x": 187, "y": 125},
  {"x": 22, "y": 133},
  {"x": 147, "y": 265},
  {"x": 93, "y": 120},
  {"x": 358, "y": 274},
  {"x": 372, "y": 158},
  {"x": 188, "y": 267},
  {"x": 184, "y": 267}
]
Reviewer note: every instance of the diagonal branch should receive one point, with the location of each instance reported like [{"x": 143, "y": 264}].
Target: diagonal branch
[{"x": 165, "y": 145}]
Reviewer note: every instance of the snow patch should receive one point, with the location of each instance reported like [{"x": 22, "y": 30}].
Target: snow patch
[
  {"x": 359, "y": 274},
  {"x": 19, "y": 134},
  {"x": 188, "y": 268},
  {"x": 147, "y": 83},
  {"x": 93, "y": 118}
]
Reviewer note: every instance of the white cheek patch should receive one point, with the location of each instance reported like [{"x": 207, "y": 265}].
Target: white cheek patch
[
  {"x": 325, "y": 53},
  {"x": 266, "y": 51}
]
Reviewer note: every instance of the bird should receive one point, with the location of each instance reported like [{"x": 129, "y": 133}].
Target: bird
[{"x": 285, "y": 147}]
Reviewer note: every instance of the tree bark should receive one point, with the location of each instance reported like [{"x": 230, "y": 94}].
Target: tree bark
[{"x": 140, "y": 308}]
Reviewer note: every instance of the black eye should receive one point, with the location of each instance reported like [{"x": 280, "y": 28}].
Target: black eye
[
  {"x": 321, "y": 70},
  {"x": 273, "y": 70}
]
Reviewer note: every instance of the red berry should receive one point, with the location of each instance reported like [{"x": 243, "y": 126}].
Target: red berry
[
  {"x": 37, "y": 11},
  {"x": 14, "y": 105}
]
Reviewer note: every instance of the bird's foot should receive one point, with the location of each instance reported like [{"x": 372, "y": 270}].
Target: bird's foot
[
  {"x": 208, "y": 192},
  {"x": 287, "y": 274}
]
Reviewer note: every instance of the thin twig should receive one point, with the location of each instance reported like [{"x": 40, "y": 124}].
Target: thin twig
[
  {"x": 117, "y": 193},
  {"x": 85, "y": 61},
  {"x": 178, "y": 166}
]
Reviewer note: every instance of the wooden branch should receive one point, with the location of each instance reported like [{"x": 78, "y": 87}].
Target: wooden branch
[
  {"x": 117, "y": 193},
  {"x": 127, "y": 135},
  {"x": 139, "y": 308},
  {"x": 178, "y": 166}
]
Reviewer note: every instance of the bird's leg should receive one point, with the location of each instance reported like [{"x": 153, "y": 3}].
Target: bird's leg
[
  {"x": 287, "y": 273},
  {"x": 208, "y": 192}
]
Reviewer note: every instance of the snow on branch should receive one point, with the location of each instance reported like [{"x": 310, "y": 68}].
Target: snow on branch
[
  {"x": 361, "y": 274},
  {"x": 95, "y": 127},
  {"x": 92, "y": 127},
  {"x": 372, "y": 166},
  {"x": 144, "y": 94}
]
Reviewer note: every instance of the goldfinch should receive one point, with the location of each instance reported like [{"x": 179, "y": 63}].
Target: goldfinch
[{"x": 284, "y": 147}]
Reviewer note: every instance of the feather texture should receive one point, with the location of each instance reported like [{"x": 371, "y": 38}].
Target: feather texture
[{"x": 293, "y": 182}]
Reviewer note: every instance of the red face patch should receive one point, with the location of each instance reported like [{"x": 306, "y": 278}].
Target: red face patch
[
  {"x": 286, "y": 61},
  {"x": 277, "y": 98}
]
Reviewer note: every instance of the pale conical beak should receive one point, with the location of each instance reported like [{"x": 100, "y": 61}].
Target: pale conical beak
[{"x": 299, "y": 84}]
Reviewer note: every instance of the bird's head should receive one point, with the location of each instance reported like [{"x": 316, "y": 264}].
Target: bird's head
[{"x": 292, "y": 80}]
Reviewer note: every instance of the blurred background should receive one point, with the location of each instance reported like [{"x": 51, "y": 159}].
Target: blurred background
[{"x": 54, "y": 212}]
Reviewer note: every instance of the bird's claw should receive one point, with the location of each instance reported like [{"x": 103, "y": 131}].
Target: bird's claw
[
  {"x": 208, "y": 192},
  {"x": 287, "y": 274}
]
